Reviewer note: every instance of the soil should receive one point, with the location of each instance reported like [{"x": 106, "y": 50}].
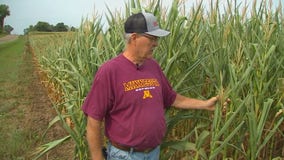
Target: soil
[
  {"x": 36, "y": 109},
  {"x": 8, "y": 38}
]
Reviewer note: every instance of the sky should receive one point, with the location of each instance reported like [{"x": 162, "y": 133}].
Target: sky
[{"x": 24, "y": 13}]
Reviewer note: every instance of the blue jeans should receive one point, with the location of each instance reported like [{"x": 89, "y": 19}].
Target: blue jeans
[{"x": 114, "y": 153}]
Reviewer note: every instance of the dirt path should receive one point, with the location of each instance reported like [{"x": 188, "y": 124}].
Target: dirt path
[
  {"x": 8, "y": 38},
  {"x": 42, "y": 112},
  {"x": 26, "y": 108}
]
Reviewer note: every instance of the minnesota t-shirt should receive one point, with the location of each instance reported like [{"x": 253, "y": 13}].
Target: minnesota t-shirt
[{"x": 131, "y": 100}]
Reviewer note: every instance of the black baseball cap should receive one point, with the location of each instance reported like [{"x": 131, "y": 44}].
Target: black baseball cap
[{"x": 144, "y": 23}]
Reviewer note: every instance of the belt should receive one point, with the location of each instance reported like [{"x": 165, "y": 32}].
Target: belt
[{"x": 128, "y": 149}]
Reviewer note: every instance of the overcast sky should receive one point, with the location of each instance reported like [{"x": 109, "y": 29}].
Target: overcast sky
[{"x": 24, "y": 13}]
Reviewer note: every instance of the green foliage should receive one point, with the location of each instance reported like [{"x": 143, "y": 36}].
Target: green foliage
[
  {"x": 4, "y": 12},
  {"x": 43, "y": 27},
  {"x": 46, "y": 27},
  {"x": 60, "y": 27},
  {"x": 15, "y": 141},
  {"x": 8, "y": 29}
]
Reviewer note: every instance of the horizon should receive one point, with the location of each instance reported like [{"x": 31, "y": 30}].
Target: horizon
[{"x": 71, "y": 14}]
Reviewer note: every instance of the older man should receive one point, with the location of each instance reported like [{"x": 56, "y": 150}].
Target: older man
[{"x": 130, "y": 93}]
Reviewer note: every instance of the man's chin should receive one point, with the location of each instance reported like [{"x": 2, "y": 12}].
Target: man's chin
[{"x": 150, "y": 56}]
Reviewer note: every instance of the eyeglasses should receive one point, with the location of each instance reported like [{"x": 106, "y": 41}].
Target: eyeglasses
[{"x": 152, "y": 38}]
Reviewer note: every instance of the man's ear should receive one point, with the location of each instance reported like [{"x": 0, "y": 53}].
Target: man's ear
[{"x": 133, "y": 37}]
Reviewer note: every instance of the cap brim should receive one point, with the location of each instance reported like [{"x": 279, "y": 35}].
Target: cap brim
[{"x": 159, "y": 33}]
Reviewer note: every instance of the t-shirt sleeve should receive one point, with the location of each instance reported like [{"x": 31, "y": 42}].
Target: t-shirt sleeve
[
  {"x": 100, "y": 97},
  {"x": 168, "y": 93}
]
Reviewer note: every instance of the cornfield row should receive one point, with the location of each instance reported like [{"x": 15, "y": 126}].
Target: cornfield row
[{"x": 236, "y": 54}]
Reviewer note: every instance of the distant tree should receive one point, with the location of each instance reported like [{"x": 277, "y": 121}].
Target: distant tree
[
  {"x": 46, "y": 27},
  {"x": 43, "y": 27},
  {"x": 73, "y": 29},
  {"x": 8, "y": 29},
  {"x": 27, "y": 30},
  {"x": 30, "y": 29},
  {"x": 60, "y": 27},
  {"x": 4, "y": 12}
]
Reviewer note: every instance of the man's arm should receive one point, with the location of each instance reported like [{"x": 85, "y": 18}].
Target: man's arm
[
  {"x": 94, "y": 138},
  {"x": 183, "y": 102}
]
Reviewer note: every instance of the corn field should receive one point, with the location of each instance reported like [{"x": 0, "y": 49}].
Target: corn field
[{"x": 235, "y": 52}]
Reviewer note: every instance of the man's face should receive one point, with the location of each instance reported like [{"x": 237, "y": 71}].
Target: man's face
[{"x": 145, "y": 45}]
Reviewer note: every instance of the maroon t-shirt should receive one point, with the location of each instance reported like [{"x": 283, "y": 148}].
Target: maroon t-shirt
[{"x": 132, "y": 100}]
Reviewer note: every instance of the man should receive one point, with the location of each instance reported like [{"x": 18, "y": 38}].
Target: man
[{"x": 130, "y": 93}]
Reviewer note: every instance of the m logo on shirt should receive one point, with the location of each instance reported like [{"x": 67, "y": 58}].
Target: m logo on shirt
[{"x": 147, "y": 94}]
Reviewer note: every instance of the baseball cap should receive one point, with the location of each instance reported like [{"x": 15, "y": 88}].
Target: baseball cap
[{"x": 144, "y": 23}]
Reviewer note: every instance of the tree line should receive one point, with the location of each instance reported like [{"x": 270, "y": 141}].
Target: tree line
[
  {"x": 46, "y": 27},
  {"x": 40, "y": 26}
]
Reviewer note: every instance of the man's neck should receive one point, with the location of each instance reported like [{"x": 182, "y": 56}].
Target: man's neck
[{"x": 130, "y": 56}]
